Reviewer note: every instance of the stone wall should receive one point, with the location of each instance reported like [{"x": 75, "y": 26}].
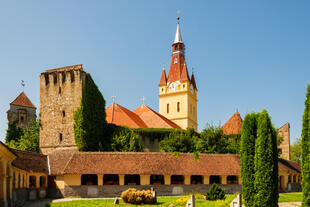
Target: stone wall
[
  {"x": 14, "y": 113},
  {"x": 161, "y": 190},
  {"x": 284, "y": 132},
  {"x": 60, "y": 96}
]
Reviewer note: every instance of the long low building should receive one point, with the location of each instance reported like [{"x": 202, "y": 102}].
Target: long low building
[{"x": 69, "y": 173}]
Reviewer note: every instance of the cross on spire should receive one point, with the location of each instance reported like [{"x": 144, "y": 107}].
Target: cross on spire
[
  {"x": 113, "y": 98},
  {"x": 23, "y": 84},
  {"x": 143, "y": 100}
]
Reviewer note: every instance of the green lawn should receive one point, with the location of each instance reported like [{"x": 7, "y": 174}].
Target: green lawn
[
  {"x": 161, "y": 201},
  {"x": 166, "y": 201},
  {"x": 290, "y": 197}
]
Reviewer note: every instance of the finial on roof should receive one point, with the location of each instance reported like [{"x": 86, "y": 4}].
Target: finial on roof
[
  {"x": 143, "y": 100},
  {"x": 178, "y": 37},
  {"x": 23, "y": 85},
  {"x": 113, "y": 98}
]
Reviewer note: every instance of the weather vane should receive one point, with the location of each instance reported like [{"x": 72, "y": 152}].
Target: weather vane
[
  {"x": 114, "y": 98},
  {"x": 143, "y": 100},
  {"x": 23, "y": 84}
]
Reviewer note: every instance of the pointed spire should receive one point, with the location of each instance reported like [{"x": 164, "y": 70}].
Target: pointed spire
[
  {"x": 178, "y": 37},
  {"x": 184, "y": 73},
  {"x": 163, "y": 78},
  {"x": 194, "y": 81}
]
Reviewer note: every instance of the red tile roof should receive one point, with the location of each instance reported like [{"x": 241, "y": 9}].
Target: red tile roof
[
  {"x": 233, "y": 125},
  {"x": 184, "y": 73},
  {"x": 163, "y": 78},
  {"x": 154, "y": 119},
  {"x": 30, "y": 161},
  {"x": 175, "y": 69},
  {"x": 23, "y": 100},
  {"x": 147, "y": 163},
  {"x": 119, "y": 115}
]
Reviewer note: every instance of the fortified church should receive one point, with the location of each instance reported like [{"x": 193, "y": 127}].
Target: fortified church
[{"x": 62, "y": 171}]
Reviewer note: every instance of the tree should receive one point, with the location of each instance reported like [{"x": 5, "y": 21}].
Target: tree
[
  {"x": 305, "y": 151},
  {"x": 266, "y": 163},
  {"x": 29, "y": 141},
  {"x": 212, "y": 140},
  {"x": 177, "y": 141},
  {"x": 125, "y": 140},
  {"x": 90, "y": 119},
  {"x": 296, "y": 151},
  {"x": 13, "y": 133},
  {"x": 247, "y": 151}
]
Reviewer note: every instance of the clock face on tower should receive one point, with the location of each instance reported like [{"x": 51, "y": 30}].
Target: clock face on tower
[{"x": 173, "y": 86}]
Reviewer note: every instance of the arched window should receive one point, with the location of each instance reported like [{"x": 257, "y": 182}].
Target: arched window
[
  {"x": 215, "y": 179},
  {"x": 157, "y": 180},
  {"x": 177, "y": 179},
  {"x": 132, "y": 179},
  {"x": 196, "y": 179},
  {"x": 111, "y": 179},
  {"x": 178, "y": 107},
  {"x": 60, "y": 137},
  {"x": 167, "y": 108},
  {"x": 89, "y": 179},
  {"x": 232, "y": 179}
]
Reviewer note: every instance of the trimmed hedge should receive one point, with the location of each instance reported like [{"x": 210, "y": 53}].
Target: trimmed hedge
[{"x": 134, "y": 196}]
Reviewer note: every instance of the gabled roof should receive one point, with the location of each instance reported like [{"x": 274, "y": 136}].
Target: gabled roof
[
  {"x": 30, "y": 161},
  {"x": 23, "y": 100},
  {"x": 163, "y": 78},
  {"x": 154, "y": 119},
  {"x": 233, "y": 125},
  {"x": 184, "y": 73},
  {"x": 119, "y": 115}
]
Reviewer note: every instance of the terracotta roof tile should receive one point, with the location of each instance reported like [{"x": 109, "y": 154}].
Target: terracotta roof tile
[
  {"x": 23, "y": 100},
  {"x": 163, "y": 78},
  {"x": 58, "y": 160},
  {"x": 289, "y": 166},
  {"x": 174, "y": 73},
  {"x": 119, "y": 115},
  {"x": 30, "y": 161},
  {"x": 233, "y": 125},
  {"x": 184, "y": 73},
  {"x": 148, "y": 163},
  {"x": 154, "y": 119}
]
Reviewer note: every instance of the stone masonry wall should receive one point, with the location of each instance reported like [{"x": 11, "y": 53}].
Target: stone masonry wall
[
  {"x": 284, "y": 132},
  {"x": 60, "y": 96}
]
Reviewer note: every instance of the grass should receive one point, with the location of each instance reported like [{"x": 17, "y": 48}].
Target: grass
[
  {"x": 166, "y": 201},
  {"x": 290, "y": 197},
  {"x": 161, "y": 201}
]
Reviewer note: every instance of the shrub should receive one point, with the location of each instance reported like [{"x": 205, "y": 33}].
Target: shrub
[
  {"x": 215, "y": 193},
  {"x": 134, "y": 196}
]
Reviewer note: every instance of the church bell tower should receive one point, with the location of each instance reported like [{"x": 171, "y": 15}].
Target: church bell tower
[{"x": 178, "y": 92}]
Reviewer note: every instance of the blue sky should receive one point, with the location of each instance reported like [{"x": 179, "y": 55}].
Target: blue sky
[{"x": 246, "y": 55}]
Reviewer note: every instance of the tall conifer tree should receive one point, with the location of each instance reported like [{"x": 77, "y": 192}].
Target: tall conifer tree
[
  {"x": 305, "y": 148},
  {"x": 247, "y": 150},
  {"x": 90, "y": 118},
  {"x": 266, "y": 163}
]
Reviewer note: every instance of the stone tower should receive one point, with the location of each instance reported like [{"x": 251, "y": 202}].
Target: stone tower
[
  {"x": 178, "y": 92},
  {"x": 60, "y": 96},
  {"x": 21, "y": 110},
  {"x": 284, "y": 132}
]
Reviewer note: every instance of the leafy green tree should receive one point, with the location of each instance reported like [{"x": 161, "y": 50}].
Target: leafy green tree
[
  {"x": 266, "y": 163},
  {"x": 90, "y": 119},
  {"x": 29, "y": 141},
  {"x": 305, "y": 156},
  {"x": 212, "y": 140},
  {"x": 125, "y": 140},
  {"x": 247, "y": 151},
  {"x": 13, "y": 133},
  {"x": 296, "y": 151},
  {"x": 178, "y": 141}
]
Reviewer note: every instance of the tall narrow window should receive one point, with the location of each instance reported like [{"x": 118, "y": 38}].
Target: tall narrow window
[
  {"x": 175, "y": 60},
  {"x": 167, "y": 108},
  {"x": 60, "y": 137},
  {"x": 178, "y": 107},
  {"x": 55, "y": 78}
]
